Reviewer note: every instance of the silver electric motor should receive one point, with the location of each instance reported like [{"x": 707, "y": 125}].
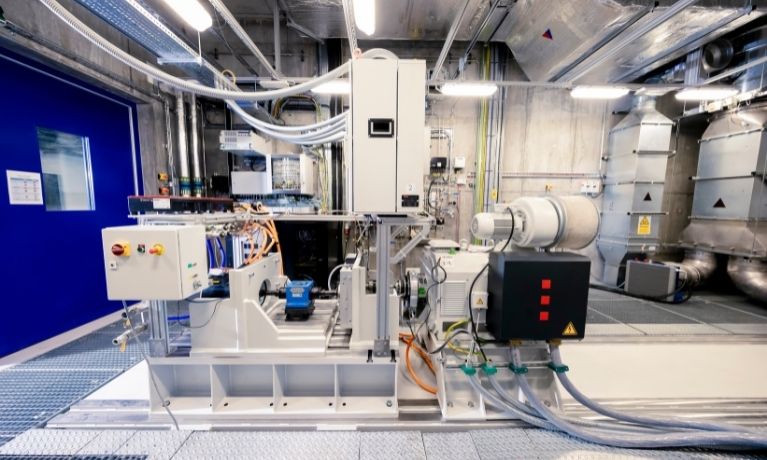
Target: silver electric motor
[{"x": 567, "y": 222}]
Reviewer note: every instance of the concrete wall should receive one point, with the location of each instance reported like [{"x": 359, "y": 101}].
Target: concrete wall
[{"x": 32, "y": 27}]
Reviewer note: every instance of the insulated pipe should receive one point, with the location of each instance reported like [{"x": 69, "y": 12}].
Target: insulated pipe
[
  {"x": 183, "y": 151},
  {"x": 277, "y": 44},
  {"x": 192, "y": 87},
  {"x": 195, "y": 144},
  {"x": 750, "y": 276},
  {"x": 231, "y": 21}
]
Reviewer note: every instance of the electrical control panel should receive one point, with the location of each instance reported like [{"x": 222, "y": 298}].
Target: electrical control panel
[
  {"x": 387, "y": 135},
  {"x": 155, "y": 262},
  {"x": 537, "y": 295}
]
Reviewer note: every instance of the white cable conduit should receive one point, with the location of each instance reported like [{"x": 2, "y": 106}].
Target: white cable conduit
[
  {"x": 192, "y": 87},
  {"x": 311, "y": 138}
]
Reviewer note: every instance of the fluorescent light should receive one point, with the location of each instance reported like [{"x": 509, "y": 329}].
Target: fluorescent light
[
  {"x": 365, "y": 15},
  {"x": 192, "y": 12},
  {"x": 469, "y": 89},
  {"x": 705, "y": 94},
  {"x": 333, "y": 87},
  {"x": 598, "y": 92}
]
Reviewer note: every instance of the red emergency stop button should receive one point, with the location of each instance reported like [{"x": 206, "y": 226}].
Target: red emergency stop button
[{"x": 121, "y": 249}]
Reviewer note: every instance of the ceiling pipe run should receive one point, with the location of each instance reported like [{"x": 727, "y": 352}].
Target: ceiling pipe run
[
  {"x": 231, "y": 21},
  {"x": 351, "y": 31},
  {"x": 449, "y": 40}
]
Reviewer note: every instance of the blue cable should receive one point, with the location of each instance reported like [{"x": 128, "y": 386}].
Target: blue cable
[
  {"x": 223, "y": 252},
  {"x": 210, "y": 253}
]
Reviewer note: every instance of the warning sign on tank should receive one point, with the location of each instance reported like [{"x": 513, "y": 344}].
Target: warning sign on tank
[
  {"x": 644, "y": 225},
  {"x": 570, "y": 330}
]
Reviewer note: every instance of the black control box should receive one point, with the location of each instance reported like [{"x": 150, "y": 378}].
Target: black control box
[{"x": 537, "y": 295}]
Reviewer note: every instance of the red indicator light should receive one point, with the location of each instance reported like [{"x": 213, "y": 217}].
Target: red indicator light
[
  {"x": 545, "y": 284},
  {"x": 543, "y": 316},
  {"x": 545, "y": 300}
]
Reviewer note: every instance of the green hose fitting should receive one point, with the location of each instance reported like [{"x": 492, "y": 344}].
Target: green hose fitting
[
  {"x": 468, "y": 370},
  {"x": 489, "y": 369},
  {"x": 518, "y": 370},
  {"x": 558, "y": 369}
]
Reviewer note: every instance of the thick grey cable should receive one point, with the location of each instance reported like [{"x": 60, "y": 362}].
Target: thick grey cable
[
  {"x": 149, "y": 366},
  {"x": 494, "y": 400},
  {"x": 339, "y": 119},
  {"x": 638, "y": 419},
  {"x": 320, "y": 137},
  {"x": 535, "y": 419},
  {"x": 332, "y": 272},
  {"x": 596, "y": 424},
  {"x": 189, "y": 86},
  {"x": 676, "y": 439}
]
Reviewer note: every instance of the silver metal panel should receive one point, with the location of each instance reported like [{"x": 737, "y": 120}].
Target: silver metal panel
[
  {"x": 741, "y": 198},
  {"x": 653, "y": 44},
  {"x": 727, "y": 237},
  {"x": 391, "y": 445},
  {"x": 576, "y": 26},
  {"x": 157, "y": 445},
  {"x": 107, "y": 442},
  {"x": 734, "y": 155},
  {"x": 450, "y": 446},
  {"x": 49, "y": 442}
]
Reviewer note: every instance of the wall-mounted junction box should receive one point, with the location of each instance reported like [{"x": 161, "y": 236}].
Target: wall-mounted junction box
[
  {"x": 387, "y": 135},
  {"x": 155, "y": 262}
]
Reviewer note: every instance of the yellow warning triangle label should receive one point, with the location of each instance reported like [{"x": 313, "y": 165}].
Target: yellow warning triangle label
[
  {"x": 480, "y": 301},
  {"x": 570, "y": 329}
]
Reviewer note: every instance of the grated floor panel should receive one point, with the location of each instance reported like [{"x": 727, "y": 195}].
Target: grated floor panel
[{"x": 33, "y": 392}]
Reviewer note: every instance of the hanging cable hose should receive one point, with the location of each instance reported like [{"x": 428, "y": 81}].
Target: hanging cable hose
[
  {"x": 637, "y": 419},
  {"x": 140, "y": 344},
  {"x": 642, "y": 441},
  {"x": 188, "y": 86}
]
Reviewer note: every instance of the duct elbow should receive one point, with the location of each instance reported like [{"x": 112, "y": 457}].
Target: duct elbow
[
  {"x": 698, "y": 266},
  {"x": 750, "y": 276}
]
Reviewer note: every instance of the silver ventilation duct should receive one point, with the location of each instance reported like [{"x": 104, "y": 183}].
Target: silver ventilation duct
[
  {"x": 634, "y": 180},
  {"x": 729, "y": 207},
  {"x": 729, "y": 211},
  {"x": 750, "y": 276},
  {"x": 598, "y": 41}
]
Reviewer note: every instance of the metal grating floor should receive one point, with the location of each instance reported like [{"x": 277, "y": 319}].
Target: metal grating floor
[
  {"x": 501, "y": 444},
  {"x": 612, "y": 314},
  {"x": 33, "y": 392}
]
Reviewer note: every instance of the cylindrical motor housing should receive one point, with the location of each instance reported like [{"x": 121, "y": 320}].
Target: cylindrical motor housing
[{"x": 567, "y": 222}]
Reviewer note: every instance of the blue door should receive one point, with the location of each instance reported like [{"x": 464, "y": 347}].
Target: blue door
[{"x": 69, "y": 154}]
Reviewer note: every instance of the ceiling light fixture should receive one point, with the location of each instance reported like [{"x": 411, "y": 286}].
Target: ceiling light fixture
[
  {"x": 598, "y": 92},
  {"x": 365, "y": 15},
  {"x": 193, "y": 13},
  {"x": 333, "y": 87},
  {"x": 706, "y": 94},
  {"x": 469, "y": 89}
]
